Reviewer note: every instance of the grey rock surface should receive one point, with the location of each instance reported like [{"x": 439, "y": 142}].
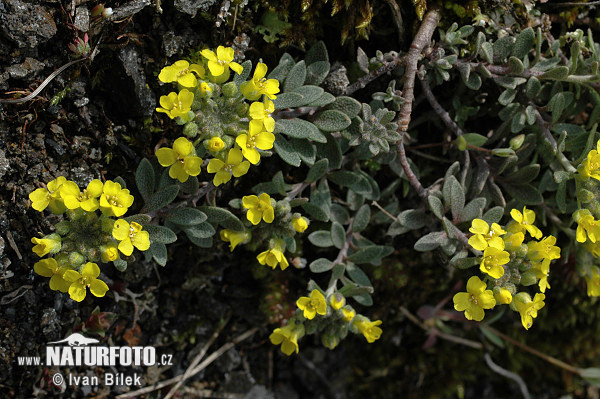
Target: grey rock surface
[{"x": 26, "y": 24}]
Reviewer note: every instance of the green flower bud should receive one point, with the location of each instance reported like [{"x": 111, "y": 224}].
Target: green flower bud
[
  {"x": 515, "y": 277},
  {"x": 76, "y": 214},
  {"x": 528, "y": 278},
  {"x": 241, "y": 109},
  {"x": 230, "y": 89},
  {"x": 517, "y": 142},
  {"x": 329, "y": 339},
  {"x": 89, "y": 218},
  {"x": 76, "y": 259},
  {"x": 522, "y": 251},
  {"x": 190, "y": 129},
  {"x": 228, "y": 142},
  {"x": 63, "y": 228},
  {"x": 107, "y": 225},
  {"x": 282, "y": 208},
  {"x": 62, "y": 259},
  {"x": 585, "y": 196},
  {"x": 511, "y": 288}
]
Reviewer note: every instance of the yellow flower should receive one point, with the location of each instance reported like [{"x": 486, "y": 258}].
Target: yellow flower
[
  {"x": 109, "y": 253},
  {"x": 181, "y": 72},
  {"x": 256, "y": 138},
  {"x": 87, "y": 278},
  {"x": 348, "y": 313},
  {"x": 586, "y": 224},
  {"x": 590, "y": 167},
  {"x": 259, "y": 85},
  {"x": 259, "y": 208},
  {"x": 337, "y": 301},
  {"x": 528, "y": 308},
  {"x": 300, "y": 224},
  {"x": 42, "y": 197},
  {"x": 368, "y": 328},
  {"x": 313, "y": 305},
  {"x": 274, "y": 256},
  {"x": 86, "y": 200},
  {"x": 49, "y": 268},
  {"x": 215, "y": 144},
  {"x": 115, "y": 200},
  {"x": 541, "y": 271},
  {"x": 219, "y": 63},
  {"x": 475, "y": 300},
  {"x": 524, "y": 221},
  {"x": 288, "y": 337},
  {"x": 130, "y": 236},
  {"x": 177, "y": 105},
  {"x": 50, "y": 244},
  {"x": 234, "y": 238},
  {"x": 484, "y": 236},
  {"x": 502, "y": 295},
  {"x": 233, "y": 166},
  {"x": 493, "y": 259},
  {"x": 513, "y": 241},
  {"x": 183, "y": 159},
  {"x": 204, "y": 89},
  {"x": 593, "y": 282},
  {"x": 262, "y": 112},
  {"x": 545, "y": 249}
]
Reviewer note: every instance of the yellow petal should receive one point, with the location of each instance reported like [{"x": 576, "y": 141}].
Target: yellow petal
[{"x": 166, "y": 156}]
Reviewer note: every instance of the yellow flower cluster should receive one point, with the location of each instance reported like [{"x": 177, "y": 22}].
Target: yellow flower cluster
[
  {"x": 506, "y": 259},
  {"x": 197, "y": 80},
  {"x": 84, "y": 238}
]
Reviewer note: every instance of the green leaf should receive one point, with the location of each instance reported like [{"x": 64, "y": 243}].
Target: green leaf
[
  {"x": 430, "y": 241},
  {"x": 300, "y": 129},
  {"x": 316, "y": 212},
  {"x": 561, "y": 196},
  {"x": 475, "y": 139},
  {"x": 332, "y": 121},
  {"x": 507, "y": 96},
  {"x": 321, "y": 265},
  {"x": 465, "y": 263},
  {"x": 186, "y": 216},
  {"x": 473, "y": 209},
  {"x": 340, "y": 214},
  {"x": 321, "y": 238},
  {"x": 161, "y": 198},
  {"x": 288, "y": 100},
  {"x": 396, "y": 228},
  {"x": 286, "y": 63},
  {"x": 493, "y": 215},
  {"x": 591, "y": 375},
  {"x": 317, "y": 72},
  {"x": 525, "y": 174},
  {"x": 332, "y": 151},
  {"x": 361, "y": 218},
  {"x": 503, "y": 152},
  {"x": 352, "y": 180},
  {"x": 533, "y": 87},
  {"x": 368, "y": 254},
  {"x": 317, "y": 171},
  {"x": 285, "y": 151},
  {"x": 338, "y": 235},
  {"x": 318, "y": 52},
  {"x": 454, "y": 195},
  {"x": 489, "y": 334},
  {"x": 503, "y": 47},
  {"x": 558, "y": 73},
  {"x": 526, "y": 193},
  {"x": 524, "y": 43},
  {"x": 202, "y": 230},
  {"x": 515, "y": 65},
  {"x": 474, "y": 82},
  {"x": 159, "y": 253},
  {"x": 160, "y": 234},
  {"x": 325, "y": 99},
  {"x": 120, "y": 180},
  {"x": 357, "y": 275},
  {"x": 309, "y": 93},
  {"x": 436, "y": 206},
  {"x": 120, "y": 264},
  {"x": 412, "y": 218},
  {"x": 487, "y": 51},
  {"x": 223, "y": 217},
  {"x": 347, "y": 105},
  {"x": 241, "y": 78},
  {"x": 144, "y": 179},
  {"x": 305, "y": 150},
  {"x": 296, "y": 77},
  {"x": 338, "y": 271}
]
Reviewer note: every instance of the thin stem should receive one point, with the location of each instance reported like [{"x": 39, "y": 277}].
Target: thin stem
[
  {"x": 376, "y": 204},
  {"x": 508, "y": 374},
  {"x": 374, "y": 74},
  {"x": 564, "y": 162},
  {"x": 439, "y": 110}
]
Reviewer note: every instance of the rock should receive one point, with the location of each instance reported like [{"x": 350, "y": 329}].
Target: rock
[
  {"x": 144, "y": 99},
  {"x": 4, "y": 165},
  {"x": 26, "y": 24},
  {"x": 337, "y": 80},
  {"x": 191, "y": 7},
  {"x": 82, "y": 19},
  {"x": 172, "y": 44},
  {"x": 28, "y": 67}
]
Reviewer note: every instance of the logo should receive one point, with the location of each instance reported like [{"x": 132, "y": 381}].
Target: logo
[{"x": 76, "y": 339}]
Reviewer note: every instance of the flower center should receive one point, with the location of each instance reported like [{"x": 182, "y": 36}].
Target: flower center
[
  {"x": 131, "y": 232},
  {"x": 113, "y": 200},
  {"x": 473, "y": 299}
]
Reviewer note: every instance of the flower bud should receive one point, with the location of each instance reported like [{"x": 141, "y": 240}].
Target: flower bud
[
  {"x": 190, "y": 129},
  {"x": 585, "y": 196},
  {"x": 76, "y": 214},
  {"x": 241, "y": 109},
  {"x": 337, "y": 301},
  {"x": 76, "y": 259},
  {"x": 300, "y": 223},
  {"x": 348, "y": 313},
  {"x": 109, "y": 253},
  {"x": 63, "y": 228},
  {"x": 329, "y": 340},
  {"x": 62, "y": 259},
  {"x": 528, "y": 278},
  {"x": 230, "y": 90},
  {"x": 516, "y": 142},
  {"x": 282, "y": 208},
  {"x": 215, "y": 144},
  {"x": 502, "y": 295}
]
